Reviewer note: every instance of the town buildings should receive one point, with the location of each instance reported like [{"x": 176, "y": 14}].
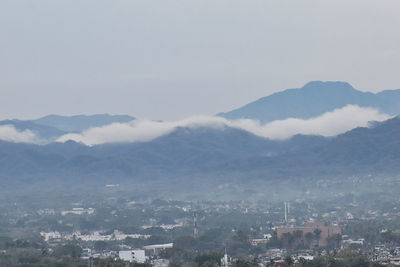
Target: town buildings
[{"x": 313, "y": 234}]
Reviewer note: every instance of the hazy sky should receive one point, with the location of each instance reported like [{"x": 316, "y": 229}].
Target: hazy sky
[{"x": 172, "y": 59}]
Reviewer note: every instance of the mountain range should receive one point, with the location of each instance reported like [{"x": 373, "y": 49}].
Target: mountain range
[
  {"x": 209, "y": 155},
  {"x": 205, "y": 153},
  {"x": 314, "y": 99},
  {"x": 51, "y": 127},
  {"x": 79, "y": 123}
]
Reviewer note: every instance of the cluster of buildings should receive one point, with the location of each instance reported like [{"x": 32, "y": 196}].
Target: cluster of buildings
[
  {"x": 78, "y": 211},
  {"x": 133, "y": 255},
  {"x": 297, "y": 240},
  {"x": 348, "y": 242},
  {"x": 386, "y": 255},
  {"x": 164, "y": 226},
  {"x": 125, "y": 253},
  {"x": 95, "y": 236}
]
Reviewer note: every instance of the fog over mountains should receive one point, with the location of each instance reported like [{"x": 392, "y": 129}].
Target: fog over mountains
[
  {"x": 318, "y": 108},
  {"x": 321, "y": 130}
]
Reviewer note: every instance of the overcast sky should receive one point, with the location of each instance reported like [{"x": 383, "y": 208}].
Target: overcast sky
[{"x": 172, "y": 59}]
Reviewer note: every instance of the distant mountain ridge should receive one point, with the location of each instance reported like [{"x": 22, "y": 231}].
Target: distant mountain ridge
[
  {"x": 43, "y": 131},
  {"x": 210, "y": 155},
  {"x": 314, "y": 99},
  {"x": 206, "y": 153},
  {"x": 50, "y": 127},
  {"x": 79, "y": 123}
]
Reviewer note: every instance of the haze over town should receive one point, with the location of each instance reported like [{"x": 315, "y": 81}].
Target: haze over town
[{"x": 199, "y": 133}]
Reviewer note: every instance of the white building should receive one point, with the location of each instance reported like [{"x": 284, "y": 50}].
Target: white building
[
  {"x": 225, "y": 261},
  {"x": 159, "y": 247},
  {"x": 50, "y": 235},
  {"x": 136, "y": 255},
  {"x": 78, "y": 211}
]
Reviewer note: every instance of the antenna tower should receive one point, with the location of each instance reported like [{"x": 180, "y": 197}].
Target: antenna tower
[{"x": 286, "y": 211}]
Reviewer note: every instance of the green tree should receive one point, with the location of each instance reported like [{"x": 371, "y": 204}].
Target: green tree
[
  {"x": 308, "y": 238},
  {"x": 211, "y": 258},
  {"x": 289, "y": 260},
  {"x": 317, "y": 235},
  {"x": 302, "y": 262},
  {"x": 71, "y": 250}
]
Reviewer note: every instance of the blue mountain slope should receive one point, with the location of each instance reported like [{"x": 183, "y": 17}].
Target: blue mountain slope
[
  {"x": 206, "y": 153},
  {"x": 313, "y": 99},
  {"x": 182, "y": 153},
  {"x": 79, "y": 123},
  {"x": 42, "y": 131}
]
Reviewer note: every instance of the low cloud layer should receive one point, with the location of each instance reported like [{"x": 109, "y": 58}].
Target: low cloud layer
[
  {"x": 10, "y": 134},
  {"x": 328, "y": 124}
]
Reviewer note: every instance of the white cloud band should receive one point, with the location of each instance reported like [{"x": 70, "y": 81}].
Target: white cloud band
[
  {"x": 10, "y": 134},
  {"x": 328, "y": 124}
]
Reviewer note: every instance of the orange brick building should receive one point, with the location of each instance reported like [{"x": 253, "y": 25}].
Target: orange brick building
[{"x": 317, "y": 231}]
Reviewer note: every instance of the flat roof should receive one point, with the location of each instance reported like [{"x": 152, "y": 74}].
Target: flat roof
[{"x": 169, "y": 245}]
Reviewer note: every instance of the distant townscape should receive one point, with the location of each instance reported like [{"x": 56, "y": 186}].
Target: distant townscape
[{"x": 303, "y": 177}]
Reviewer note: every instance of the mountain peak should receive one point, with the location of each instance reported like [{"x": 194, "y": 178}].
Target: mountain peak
[
  {"x": 312, "y": 100},
  {"x": 327, "y": 85}
]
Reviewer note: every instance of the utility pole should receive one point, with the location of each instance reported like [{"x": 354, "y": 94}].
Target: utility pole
[{"x": 195, "y": 229}]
